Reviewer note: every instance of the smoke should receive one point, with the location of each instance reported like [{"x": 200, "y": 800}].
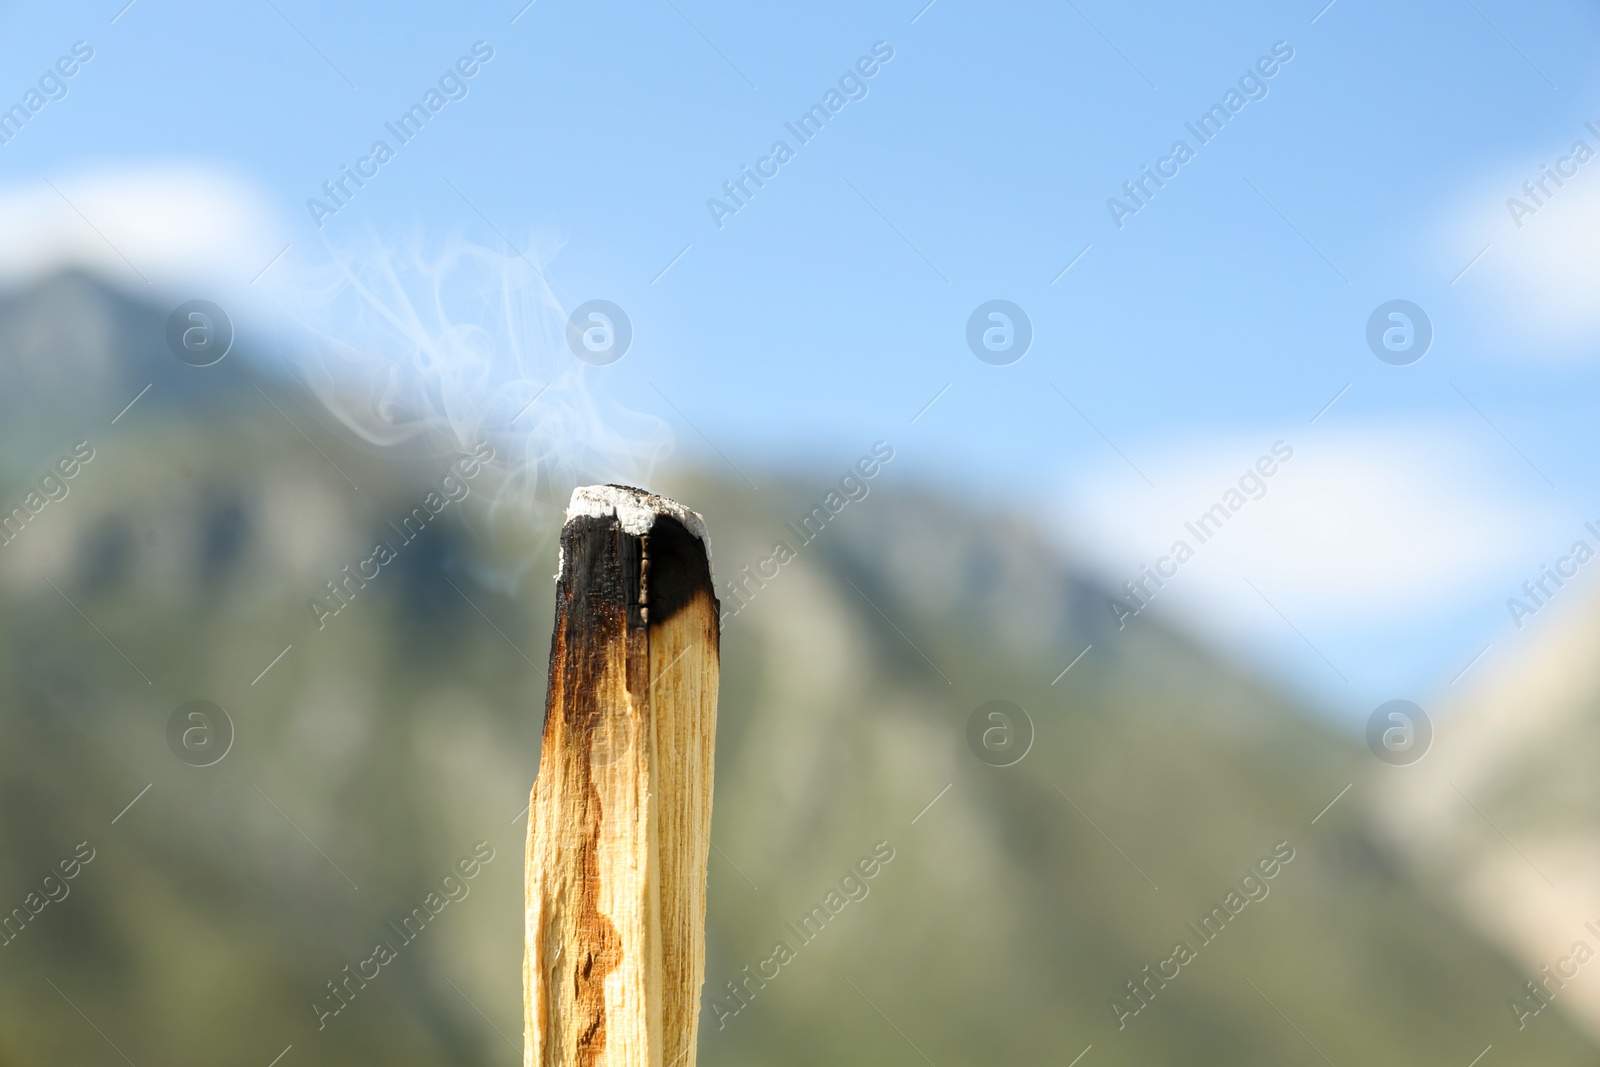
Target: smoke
[{"x": 449, "y": 345}]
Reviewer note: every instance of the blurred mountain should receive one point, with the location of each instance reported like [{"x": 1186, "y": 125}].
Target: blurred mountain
[
  {"x": 373, "y": 749},
  {"x": 1500, "y": 817}
]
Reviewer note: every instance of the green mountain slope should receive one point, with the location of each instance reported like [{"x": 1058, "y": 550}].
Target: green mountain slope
[{"x": 379, "y": 748}]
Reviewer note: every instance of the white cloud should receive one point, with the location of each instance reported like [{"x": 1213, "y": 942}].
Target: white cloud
[
  {"x": 170, "y": 225},
  {"x": 1542, "y": 266},
  {"x": 1387, "y": 519}
]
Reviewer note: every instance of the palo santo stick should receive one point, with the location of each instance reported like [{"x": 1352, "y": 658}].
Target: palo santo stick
[{"x": 621, "y": 809}]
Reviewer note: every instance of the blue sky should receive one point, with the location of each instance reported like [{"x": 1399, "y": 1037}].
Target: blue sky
[{"x": 1220, "y": 318}]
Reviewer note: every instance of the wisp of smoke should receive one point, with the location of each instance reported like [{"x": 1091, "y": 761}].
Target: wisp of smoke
[{"x": 451, "y": 346}]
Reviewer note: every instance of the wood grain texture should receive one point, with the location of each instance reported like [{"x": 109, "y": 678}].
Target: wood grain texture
[{"x": 620, "y": 822}]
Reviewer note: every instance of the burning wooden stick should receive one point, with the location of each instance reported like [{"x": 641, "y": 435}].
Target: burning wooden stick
[{"x": 621, "y": 808}]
